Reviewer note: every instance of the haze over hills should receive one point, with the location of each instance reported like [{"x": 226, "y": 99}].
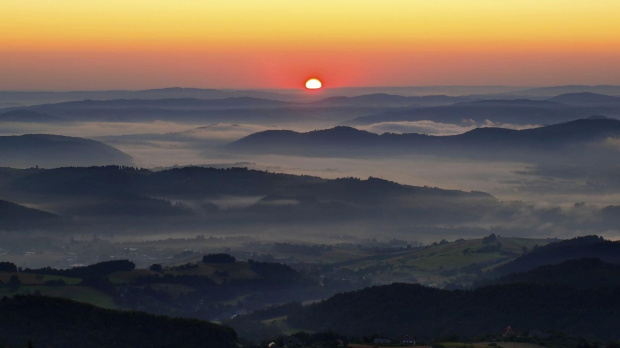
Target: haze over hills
[
  {"x": 488, "y": 143},
  {"x": 29, "y": 116},
  {"x": 348, "y": 110},
  {"x": 193, "y": 195},
  {"x": 50, "y": 151},
  {"x": 384, "y": 99},
  {"x": 16, "y": 216},
  {"x": 139, "y": 201},
  {"x": 585, "y": 98},
  {"x": 546, "y": 92},
  {"x": 310, "y": 174},
  {"x": 200, "y": 111},
  {"x": 38, "y": 97},
  {"x": 511, "y": 111},
  {"x": 25, "y": 98}
]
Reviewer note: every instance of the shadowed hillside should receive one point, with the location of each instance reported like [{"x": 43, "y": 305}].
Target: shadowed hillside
[
  {"x": 587, "y": 273},
  {"x": 397, "y": 309},
  {"x": 555, "y": 253},
  {"x": 14, "y": 215},
  {"x": 46, "y": 150},
  {"x": 53, "y": 322}
]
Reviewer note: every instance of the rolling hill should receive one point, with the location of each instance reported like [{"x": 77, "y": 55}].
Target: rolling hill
[
  {"x": 54, "y": 322},
  {"x": 15, "y": 215},
  {"x": 562, "y": 251},
  {"x": 585, "y": 98},
  {"x": 499, "y": 143},
  {"x": 383, "y": 99},
  {"x": 399, "y": 309},
  {"x": 518, "y": 111},
  {"x": 45, "y": 150},
  {"x": 586, "y": 273},
  {"x": 130, "y": 193}
]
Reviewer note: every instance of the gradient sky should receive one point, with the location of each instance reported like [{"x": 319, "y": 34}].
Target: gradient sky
[{"x": 136, "y": 44}]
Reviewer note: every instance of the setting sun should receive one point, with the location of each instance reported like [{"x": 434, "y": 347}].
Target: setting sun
[{"x": 313, "y": 84}]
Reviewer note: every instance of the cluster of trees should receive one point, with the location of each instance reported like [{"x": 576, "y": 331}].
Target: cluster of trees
[
  {"x": 555, "y": 253},
  {"x": 100, "y": 269},
  {"x": 219, "y": 258}
]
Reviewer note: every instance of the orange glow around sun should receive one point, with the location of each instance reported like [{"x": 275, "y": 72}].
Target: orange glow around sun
[
  {"x": 141, "y": 44},
  {"x": 313, "y": 83}
]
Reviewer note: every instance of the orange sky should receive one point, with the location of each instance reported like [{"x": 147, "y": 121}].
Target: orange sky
[{"x": 135, "y": 44}]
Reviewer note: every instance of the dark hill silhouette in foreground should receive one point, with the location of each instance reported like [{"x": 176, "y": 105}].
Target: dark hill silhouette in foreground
[
  {"x": 47, "y": 150},
  {"x": 398, "y": 309},
  {"x": 500, "y": 143},
  {"x": 54, "y": 322}
]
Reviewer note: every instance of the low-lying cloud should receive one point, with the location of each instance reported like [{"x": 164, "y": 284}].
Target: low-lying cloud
[{"x": 435, "y": 128}]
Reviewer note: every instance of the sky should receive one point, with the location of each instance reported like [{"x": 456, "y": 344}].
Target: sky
[{"x": 139, "y": 44}]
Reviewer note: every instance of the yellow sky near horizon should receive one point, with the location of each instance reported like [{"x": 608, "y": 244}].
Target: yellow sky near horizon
[{"x": 219, "y": 42}]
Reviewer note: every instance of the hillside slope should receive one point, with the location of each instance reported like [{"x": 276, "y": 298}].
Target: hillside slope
[
  {"x": 53, "y": 322},
  {"x": 45, "y": 150}
]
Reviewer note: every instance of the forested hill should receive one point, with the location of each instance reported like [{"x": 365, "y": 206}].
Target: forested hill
[
  {"x": 485, "y": 142},
  {"x": 53, "y": 322},
  {"x": 555, "y": 253},
  {"x": 399, "y": 309},
  {"x": 198, "y": 181},
  {"x": 50, "y": 151},
  {"x": 587, "y": 273}
]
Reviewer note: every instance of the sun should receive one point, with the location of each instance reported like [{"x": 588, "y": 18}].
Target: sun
[{"x": 313, "y": 83}]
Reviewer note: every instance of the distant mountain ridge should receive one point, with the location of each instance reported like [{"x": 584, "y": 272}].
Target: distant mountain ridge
[
  {"x": 26, "y": 98},
  {"x": 557, "y": 90},
  {"x": 393, "y": 100},
  {"x": 164, "y": 103},
  {"x": 585, "y": 98},
  {"x": 560, "y": 108}
]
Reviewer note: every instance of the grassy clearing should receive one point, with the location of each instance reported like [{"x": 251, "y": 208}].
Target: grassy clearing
[{"x": 440, "y": 263}]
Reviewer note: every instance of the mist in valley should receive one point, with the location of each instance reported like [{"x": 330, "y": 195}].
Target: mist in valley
[{"x": 534, "y": 191}]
